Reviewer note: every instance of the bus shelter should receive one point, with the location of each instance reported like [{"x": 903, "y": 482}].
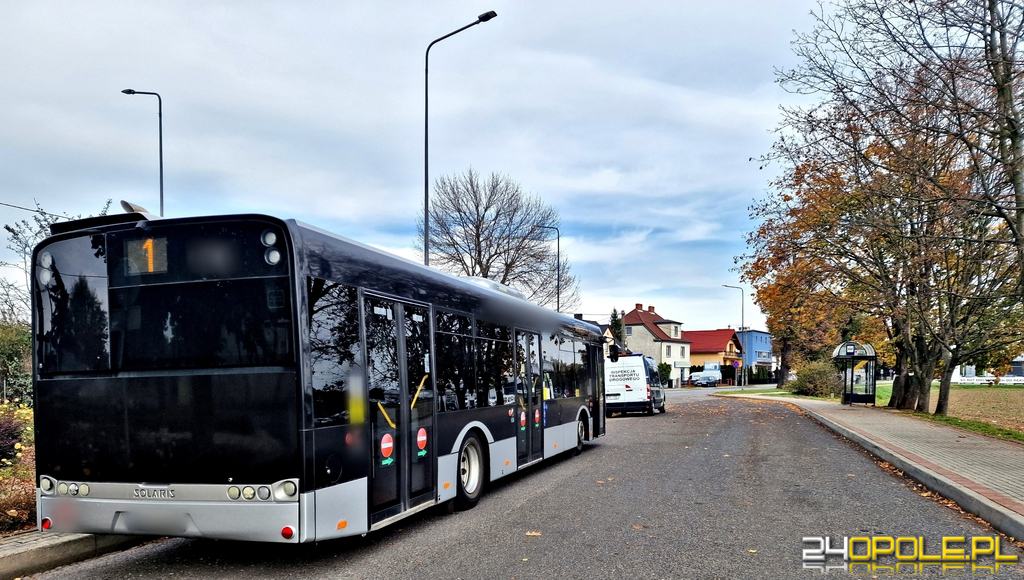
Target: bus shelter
[{"x": 856, "y": 363}]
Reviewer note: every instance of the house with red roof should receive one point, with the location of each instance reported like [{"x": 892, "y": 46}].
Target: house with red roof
[
  {"x": 660, "y": 338},
  {"x": 721, "y": 346}
]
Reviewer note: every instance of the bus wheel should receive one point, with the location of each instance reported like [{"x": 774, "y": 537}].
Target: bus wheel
[
  {"x": 650, "y": 409},
  {"x": 581, "y": 432},
  {"x": 471, "y": 472}
]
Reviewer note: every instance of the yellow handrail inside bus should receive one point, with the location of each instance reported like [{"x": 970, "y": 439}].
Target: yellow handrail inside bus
[
  {"x": 423, "y": 381},
  {"x": 386, "y": 416}
]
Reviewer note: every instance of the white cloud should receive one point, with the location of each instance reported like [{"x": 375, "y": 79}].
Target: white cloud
[{"x": 636, "y": 122}]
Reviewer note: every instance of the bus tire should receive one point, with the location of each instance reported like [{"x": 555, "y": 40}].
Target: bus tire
[
  {"x": 471, "y": 472},
  {"x": 581, "y": 431},
  {"x": 650, "y": 409}
]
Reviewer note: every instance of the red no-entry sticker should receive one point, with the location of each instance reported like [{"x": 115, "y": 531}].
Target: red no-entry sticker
[
  {"x": 421, "y": 438},
  {"x": 536, "y": 415},
  {"x": 387, "y": 445},
  {"x": 522, "y": 419}
]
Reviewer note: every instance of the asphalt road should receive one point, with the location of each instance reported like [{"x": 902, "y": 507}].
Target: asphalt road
[{"x": 715, "y": 488}]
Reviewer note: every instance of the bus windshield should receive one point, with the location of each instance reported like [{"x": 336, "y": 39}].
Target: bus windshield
[{"x": 200, "y": 296}]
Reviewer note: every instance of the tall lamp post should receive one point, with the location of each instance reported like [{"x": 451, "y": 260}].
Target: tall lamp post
[
  {"x": 426, "y": 127},
  {"x": 743, "y": 323},
  {"x": 558, "y": 266},
  {"x": 160, "y": 120}
]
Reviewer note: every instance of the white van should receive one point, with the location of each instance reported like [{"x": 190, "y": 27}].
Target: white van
[{"x": 631, "y": 384}]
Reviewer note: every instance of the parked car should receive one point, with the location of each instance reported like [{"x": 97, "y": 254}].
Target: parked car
[
  {"x": 711, "y": 376},
  {"x": 631, "y": 383}
]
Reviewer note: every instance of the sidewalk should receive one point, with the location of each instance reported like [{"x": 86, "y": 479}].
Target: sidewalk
[
  {"x": 35, "y": 551},
  {"x": 984, "y": 475}
]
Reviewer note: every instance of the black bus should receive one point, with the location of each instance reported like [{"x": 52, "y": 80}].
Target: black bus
[{"x": 245, "y": 377}]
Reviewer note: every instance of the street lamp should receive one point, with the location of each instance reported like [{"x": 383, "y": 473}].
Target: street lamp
[
  {"x": 743, "y": 367},
  {"x": 558, "y": 266},
  {"x": 160, "y": 119},
  {"x": 426, "y": 126}
]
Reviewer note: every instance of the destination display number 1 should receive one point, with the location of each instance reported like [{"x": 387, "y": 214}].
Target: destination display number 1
[{"x": 146, "y": 256}]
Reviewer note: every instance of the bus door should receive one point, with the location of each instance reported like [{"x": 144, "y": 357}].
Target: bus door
[
  {"x": 529, "y": 424},
  {"x": 401, "y": 404}
]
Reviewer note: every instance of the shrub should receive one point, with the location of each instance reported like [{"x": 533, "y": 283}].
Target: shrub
[
  {"x": 12, "y": 429},
  {"x": 17, "y": 466},
  {"x": 817, "y": 379},
  {"x": 18, "y": 491}
]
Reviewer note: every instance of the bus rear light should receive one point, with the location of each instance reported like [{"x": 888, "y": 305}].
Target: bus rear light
[
  {"x": 46, "y": 523},
  {"x": 648, "y": 392},
  {"x": 287, "y": 532}
]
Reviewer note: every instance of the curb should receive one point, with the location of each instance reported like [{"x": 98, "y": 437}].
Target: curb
[
  {"x": 47, "y": 551},
  {"x": 1001, "y": 518}
]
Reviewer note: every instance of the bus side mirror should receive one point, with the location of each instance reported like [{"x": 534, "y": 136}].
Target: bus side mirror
[{"x": 613, "y": 353}]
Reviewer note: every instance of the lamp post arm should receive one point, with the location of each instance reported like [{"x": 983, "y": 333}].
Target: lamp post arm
[{"x": 426, "y": 139}]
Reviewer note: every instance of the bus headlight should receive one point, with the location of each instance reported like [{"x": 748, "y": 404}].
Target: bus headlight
[
  {"x": 288, "y": 488},
  {"x": 263, "y": 492},
  {"x": 46, "y": 484},
  {"x": 73, "y": 489},
  {"x": 45, "y": 276},
  {"x": 83, "y": 489},
  {"x": 234, "y": 492},
  {"x": 248, "y": 492},
  {"x": 273, "y": 256},
  {"x": 269, "y": 238},
  {"x": 62, "y": 488}
]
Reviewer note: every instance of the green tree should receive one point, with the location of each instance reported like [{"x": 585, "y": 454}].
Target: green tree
[
  {"x": 664, "y": 372},
  {"x": 615, "y": 325},
  {"x": 15, "y": 342}
]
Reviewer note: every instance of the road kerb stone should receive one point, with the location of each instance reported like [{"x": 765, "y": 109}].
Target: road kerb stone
[{"x": 37, "y": 551}]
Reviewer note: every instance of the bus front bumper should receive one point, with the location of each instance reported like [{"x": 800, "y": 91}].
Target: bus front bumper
[{"x": 248, "y": 521}]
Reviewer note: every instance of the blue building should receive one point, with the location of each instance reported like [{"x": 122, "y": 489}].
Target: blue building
[{"x": 757, "y": 351}]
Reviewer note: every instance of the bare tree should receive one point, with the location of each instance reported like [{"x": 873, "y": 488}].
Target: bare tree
[
  {"x": 884, "y": 62},
  {"x": 489, "y": 227}
]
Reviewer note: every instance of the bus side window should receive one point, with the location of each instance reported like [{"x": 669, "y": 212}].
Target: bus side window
[
  {"x": 493, "y": 364},
  {"x": 552, "y": 366},
  {"x": 455, "y": 365},
  {"x": 335, "y": 353}
]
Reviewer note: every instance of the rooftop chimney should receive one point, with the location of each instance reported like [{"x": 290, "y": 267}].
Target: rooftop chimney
[
  {"x": 639, "y": 306},
  {"x": 650, "y": 309}
]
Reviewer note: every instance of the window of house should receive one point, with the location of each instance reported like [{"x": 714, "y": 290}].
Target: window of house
[
  {"x": 668, "y": 351},
  {"x": 629, "y": 331}
]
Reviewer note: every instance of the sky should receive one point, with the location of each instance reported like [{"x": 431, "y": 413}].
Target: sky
[{"x": 635, "y": 120}]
